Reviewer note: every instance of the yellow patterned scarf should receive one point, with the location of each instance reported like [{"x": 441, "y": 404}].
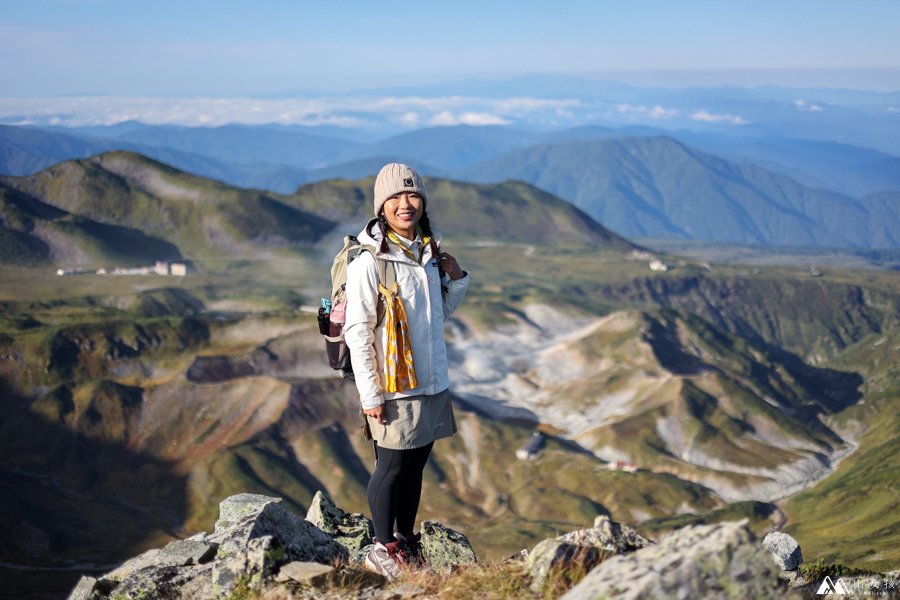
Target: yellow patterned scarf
[{"x": 399, "y": 372}]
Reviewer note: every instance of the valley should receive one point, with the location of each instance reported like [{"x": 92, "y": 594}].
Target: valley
[{"x": 144, "y": 400}]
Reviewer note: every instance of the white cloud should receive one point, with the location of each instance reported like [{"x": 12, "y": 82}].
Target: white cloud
[
  {"x": 893, "y": 109},
  {"x": 807, "y": 106},
  {"x": 704, "y": 116},
  {"x": 408, "y": 119},
  {"x": 348, "y": 111},
  {"x": 467, "y": 118},
  {"x": 656, "y": 112}
]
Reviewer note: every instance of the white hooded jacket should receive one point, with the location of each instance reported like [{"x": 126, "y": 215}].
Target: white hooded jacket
[{"x": 426, "y": 309}]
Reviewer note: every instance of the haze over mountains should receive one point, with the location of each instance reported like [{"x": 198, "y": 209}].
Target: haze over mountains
[
  {"x": 760, "y": 166},
  {"x": 636, "y": 182}
]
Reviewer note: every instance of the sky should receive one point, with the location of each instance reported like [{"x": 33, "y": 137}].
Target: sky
[{"x": 191, "y": 48}]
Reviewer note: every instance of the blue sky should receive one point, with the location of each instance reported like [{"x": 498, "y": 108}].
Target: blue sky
[{"x": 231, "y": 48}]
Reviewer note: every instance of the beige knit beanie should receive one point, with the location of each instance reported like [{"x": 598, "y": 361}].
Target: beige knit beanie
[{"x": 395, "y": 178}]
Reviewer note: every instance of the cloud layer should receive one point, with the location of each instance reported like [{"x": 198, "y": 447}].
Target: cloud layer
[{"x": 366, "y": 112}]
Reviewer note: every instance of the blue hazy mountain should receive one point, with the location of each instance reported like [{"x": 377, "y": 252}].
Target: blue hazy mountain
[
  {"x": 242, "y": 144},
  {"x": 754, "y": 188},
  {"x": 658, "y": 187}
]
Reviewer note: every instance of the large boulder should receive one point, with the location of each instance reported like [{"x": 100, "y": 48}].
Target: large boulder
[
  {"x": 234, "y": 509},
  {"x": 703, "y": 561},
  {"x": 265, "y": 538},
  {"x": 607, "y": 535},
  {"x": 785, "y": 550},
  {"x": 247, "y": 567},
  {"x": 353, "y": 531},
  {"x": 563, "y": 559},
  {"x": 301, "y": 539},
  {"x": 443, "y": 547},
  {"x": 577, "y": 552},
  {"x": 158, "y": 582}
]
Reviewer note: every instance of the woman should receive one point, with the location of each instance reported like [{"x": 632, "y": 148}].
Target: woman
[{"x": 400, "y": 363}]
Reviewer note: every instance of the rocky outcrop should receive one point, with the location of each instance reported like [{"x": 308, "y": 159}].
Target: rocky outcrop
[
  {"x": 445, "y": 548},
  {"x": 577, "y": 552},
  {"x": 253, "y": 537},
  {"x": 260, "y": 549},
  {"x": 258, "y": 545},
  {"x": 353, "y": 531},
  {"x": 702, "y": 561},
  {"x": 785, "y": 550}
]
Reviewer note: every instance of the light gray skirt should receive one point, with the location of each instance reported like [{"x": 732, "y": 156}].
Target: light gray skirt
[{"x": 414, "y": 422}]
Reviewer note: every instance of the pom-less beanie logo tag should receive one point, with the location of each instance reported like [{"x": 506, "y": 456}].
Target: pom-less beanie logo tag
[{"x": 408, "y": 182}]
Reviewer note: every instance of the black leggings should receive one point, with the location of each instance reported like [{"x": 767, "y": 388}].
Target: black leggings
[{"x": 395, "y": 489}]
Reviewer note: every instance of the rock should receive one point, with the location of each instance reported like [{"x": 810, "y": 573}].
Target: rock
[
  {"x": 157, "y": 582},
  {"x": 353, "y": 531},
  {"x": 307, "y": 573},
  {"x": 187, "y": 552},
  {"x": 132, "y": 565},
  {"x": 443, "y": 547},
  {"x": 247, "y": 568},
  {"x": 234, "y": 509},
  {"x": 300, "y": 539},
  {"x": 200, "y": 586},
  {"x": 580, "y": 551},
  {"x": 176, "y": 554},
  {"x": 608, "y": 535},
  {"x": 267, "y": 536},
  {"x": 83, "y": 589},
  {"x": 703, "y": 561},
  {"x": 561, "y": 557},
  {"x": 784, "y": 549}
]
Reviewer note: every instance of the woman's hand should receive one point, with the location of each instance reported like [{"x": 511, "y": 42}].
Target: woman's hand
[
  {"x": 451, "y": 267},
  {"x": 377, "y": 413}
]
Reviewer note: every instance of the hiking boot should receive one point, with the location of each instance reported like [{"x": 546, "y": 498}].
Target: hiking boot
[
  {"x": 385, "y": 559},
  {"x": 411, "y": 550}
]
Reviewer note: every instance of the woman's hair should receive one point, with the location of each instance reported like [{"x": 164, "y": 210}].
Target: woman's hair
[{"x": 423, "y": 223}]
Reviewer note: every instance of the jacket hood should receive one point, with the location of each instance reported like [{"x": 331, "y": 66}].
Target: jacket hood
[{"x": 371, "y": 236}]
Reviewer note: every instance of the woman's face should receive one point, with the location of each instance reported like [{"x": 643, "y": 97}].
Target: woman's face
[{"x": 403, "y": 211}]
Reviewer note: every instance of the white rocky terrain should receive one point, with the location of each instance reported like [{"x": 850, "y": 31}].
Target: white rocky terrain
[{"x": 636, "y": 387}]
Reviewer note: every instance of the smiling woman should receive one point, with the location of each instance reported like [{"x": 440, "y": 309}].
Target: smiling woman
[{"x": 400, "y": 361}]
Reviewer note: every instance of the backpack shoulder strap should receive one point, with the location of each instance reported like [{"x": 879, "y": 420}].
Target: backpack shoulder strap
[{"x": 387, "y": 276}]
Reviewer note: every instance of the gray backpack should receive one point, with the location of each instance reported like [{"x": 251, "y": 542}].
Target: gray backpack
[{"x": 332, "y": 313}]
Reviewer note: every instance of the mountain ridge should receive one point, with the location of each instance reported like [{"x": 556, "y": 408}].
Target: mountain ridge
[{"x": 658, "y": 187}]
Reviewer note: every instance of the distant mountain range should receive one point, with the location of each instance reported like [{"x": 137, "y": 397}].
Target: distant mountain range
[
  {"x": 759, "y": 190},
  {"x": 658, "y": 187},
  {"x": 121, "y": 207}
]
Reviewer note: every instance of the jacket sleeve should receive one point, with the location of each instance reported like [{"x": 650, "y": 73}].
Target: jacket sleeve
[
  {"x": 456, "y": 291},
  {"x": 359, "y": 330}
]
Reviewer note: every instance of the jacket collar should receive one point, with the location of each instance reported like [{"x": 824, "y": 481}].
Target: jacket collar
[{"x": 371, "y": 236}]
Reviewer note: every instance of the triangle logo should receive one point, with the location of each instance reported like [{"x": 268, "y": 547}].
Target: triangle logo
[{"x": 829, "y": 587}]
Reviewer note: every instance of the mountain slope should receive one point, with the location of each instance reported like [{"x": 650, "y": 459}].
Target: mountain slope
[
  {"x": 33, "y": 232},
  {"x": 511, "y": 211},
  {"x": 199, "y": 216},
  {"x": 657, "y": 187}
]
